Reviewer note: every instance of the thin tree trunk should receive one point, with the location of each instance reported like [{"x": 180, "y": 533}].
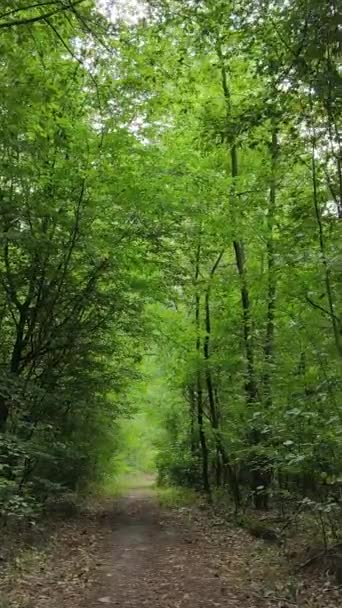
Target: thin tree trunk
[
  {"x": 221, "y": 454},
  {"x": 199, "y": 391},
  {"x": 334, "y": 134},
  {"x": 214, "y": 417},
  {"x": 240, "y": 257},
  {"x": 335, "y": 322},
  {"x": 4, "y": 412},
  {"x": 191, "y": 393},
  {"x": 251, "y": 387},
  {"x": 271, "y": 277},
  {"x": 250, "y": 382},
  {"x": 202, "y": 437}
]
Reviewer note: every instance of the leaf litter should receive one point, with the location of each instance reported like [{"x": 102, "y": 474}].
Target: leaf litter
[{"x": 140, "y": 555}]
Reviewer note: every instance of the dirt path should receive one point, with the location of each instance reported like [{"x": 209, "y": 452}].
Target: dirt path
[
  {"x": 156, "y": 560},
  {"x": 132, "y": 553}
]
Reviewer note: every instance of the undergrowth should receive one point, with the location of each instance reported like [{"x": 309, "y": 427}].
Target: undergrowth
[{"x": 176, "y": 496}]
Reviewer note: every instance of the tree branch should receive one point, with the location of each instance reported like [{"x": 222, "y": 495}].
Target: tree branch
[
  {"x": 42, "y": 17},
  {"x": 322, "y": 309},
  {"x": 13, "y": 11}
]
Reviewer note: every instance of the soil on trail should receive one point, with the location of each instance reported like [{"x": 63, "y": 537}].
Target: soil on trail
[
  {"x": 154, "y": 560},
  {"x": 132, "y": 553},
  {"x": 163, "y": 558}
]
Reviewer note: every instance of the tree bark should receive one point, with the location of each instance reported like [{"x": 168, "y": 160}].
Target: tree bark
[
  {"x": 271, "y": 277},
  {"x": 335, "y": 320},
  {"x": 199, "y": 390},
  {"x": 251, "y": 387},
  {"x": 222, "y": 459}
]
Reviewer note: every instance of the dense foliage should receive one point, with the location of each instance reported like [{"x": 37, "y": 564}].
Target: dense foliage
[
  {"x": 72, "y": 237},
  {"x": 172, "y": 184},
  {"x": 245, "y": 99}
]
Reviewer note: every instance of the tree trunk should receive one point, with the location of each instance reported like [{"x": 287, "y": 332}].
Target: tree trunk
[
  {"x": 191, "y": 394},
  {"x": 336, "y": 324},
  {"x": 202, "y": 437},
  {"x": 251, "y": 387},
  {"x": 271, "y": 277},
  {"x": 199, "y": 391},
  {"x": 222, "y": 460},
  {"x": 250, "y": 382}
]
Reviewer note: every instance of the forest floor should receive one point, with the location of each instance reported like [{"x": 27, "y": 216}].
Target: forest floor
[{"x": 138, "y": 553}]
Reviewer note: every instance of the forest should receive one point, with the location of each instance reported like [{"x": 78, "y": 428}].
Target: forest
[{"x": 171, "y": 251}]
